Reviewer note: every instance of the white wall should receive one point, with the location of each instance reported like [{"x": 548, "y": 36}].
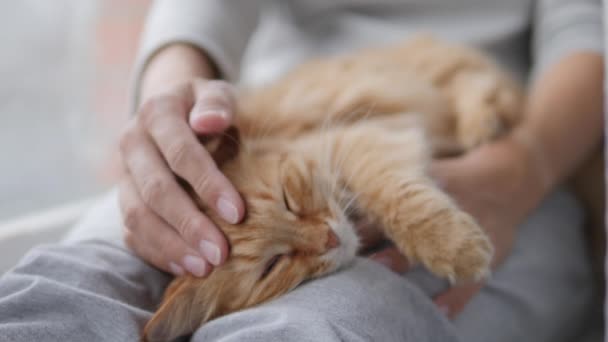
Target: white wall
[{"x": 47, "y": 138}]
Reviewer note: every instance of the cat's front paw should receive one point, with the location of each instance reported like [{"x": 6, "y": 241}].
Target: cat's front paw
[
  {"x": 466, "y": 253},
  {"x": 472, "y": 260}
]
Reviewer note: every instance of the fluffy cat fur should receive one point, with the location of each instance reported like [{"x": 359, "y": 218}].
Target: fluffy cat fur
[{"x": 342, "y": 135}]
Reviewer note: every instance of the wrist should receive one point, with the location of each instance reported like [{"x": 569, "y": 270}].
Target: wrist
[
  {"x": 174, "y": 65},
  {"x": 538, "y": 173}
]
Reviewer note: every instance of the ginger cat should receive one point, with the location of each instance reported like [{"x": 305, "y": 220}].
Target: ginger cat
[{"x": 342, "y": 135}]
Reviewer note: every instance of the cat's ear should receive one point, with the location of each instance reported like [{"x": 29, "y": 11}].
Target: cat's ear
[
  {"x": 181, "y": 312},
  {"x": 224, "y": 146}
]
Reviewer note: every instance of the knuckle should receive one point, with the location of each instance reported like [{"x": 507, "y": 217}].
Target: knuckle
[
  {"x": 125, "y": 142},
  {"x": 168, "y": 251},
  {"x": 177, "y": 154},
  {"x": 218, "y": 93},
  {"x": 220, "y": 86},
  {"x": 160, "y": 105},
  {"x": 129, "y": 240},
  {"x": 127, "y": 137},
  {"x": 155, "y": 103},
  {"x": 153, "y": 189},
  {"x": 204, "y": 183},
  {"x": 189, "y": 228},
  {"x": 132, "y": 216}
]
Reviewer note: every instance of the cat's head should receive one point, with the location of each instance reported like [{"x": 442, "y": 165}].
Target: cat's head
[{"x": 295, "y": 229}]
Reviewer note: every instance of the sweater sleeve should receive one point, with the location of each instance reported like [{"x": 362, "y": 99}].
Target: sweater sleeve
[
  {"x": 562, "y": 27},
  {"x": 221, "y": 28}
]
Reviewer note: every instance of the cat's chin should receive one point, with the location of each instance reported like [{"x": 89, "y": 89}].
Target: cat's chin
[{"x": 346, "y": 251}]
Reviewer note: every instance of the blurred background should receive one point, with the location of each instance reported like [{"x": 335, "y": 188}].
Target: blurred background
[{"x": 65, "y": 68}]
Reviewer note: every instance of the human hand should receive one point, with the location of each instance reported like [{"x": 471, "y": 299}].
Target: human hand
[
  {"x": 498, "y": 184},
  {"x": 163, "y": 224}
]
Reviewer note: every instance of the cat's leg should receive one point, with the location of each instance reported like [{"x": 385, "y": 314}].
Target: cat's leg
[{"x": 386, "y": 172}]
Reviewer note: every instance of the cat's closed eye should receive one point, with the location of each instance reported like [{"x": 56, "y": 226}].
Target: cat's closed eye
[
  {"x": 286, "y": 203},
  {"x": 270, "y": 265}
]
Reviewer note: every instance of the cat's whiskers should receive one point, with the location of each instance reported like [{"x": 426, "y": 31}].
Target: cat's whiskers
[
  {"x": 349, "y": 207},
  {"x": 237, "y": 141}
]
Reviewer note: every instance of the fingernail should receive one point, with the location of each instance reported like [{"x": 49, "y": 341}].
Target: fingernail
[
  {"x": 211, "y": 252},
  {"x": 227, "y": 210},
  {"x": 443, "y": 309},
  {"x": 210, "y": 112},
  {"x": 195, "y": 265},
  {"x": 176, "y": 269}
]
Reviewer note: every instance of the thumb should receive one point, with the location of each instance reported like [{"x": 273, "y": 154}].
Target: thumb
[{"x": 214, "y": 107}]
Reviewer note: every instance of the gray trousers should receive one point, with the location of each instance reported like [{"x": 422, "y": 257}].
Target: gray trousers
[{"x": 95, "y": 290}]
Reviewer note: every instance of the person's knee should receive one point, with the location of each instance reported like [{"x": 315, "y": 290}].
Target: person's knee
[
  {"x": 269, "y": 323},
  {"x": 364, "y": 302}
]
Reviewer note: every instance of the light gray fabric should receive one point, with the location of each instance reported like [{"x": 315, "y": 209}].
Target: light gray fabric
[
  {"x": 96, "y": 291},
  {"x": 545, "y": 291},
  {"x": 257, "y": 40},
  {"x": 364, "y": 303},
  {"x": 563, "y": 27}
]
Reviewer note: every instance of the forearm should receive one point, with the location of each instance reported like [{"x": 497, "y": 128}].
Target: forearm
[
  {"x": 174, "y": 65},
  {"x": 219, "y": 28},
  {"x": 563, "y": 121}
]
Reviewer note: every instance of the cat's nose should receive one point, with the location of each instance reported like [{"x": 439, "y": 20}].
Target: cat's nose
[{"x": 332, "y": 240}]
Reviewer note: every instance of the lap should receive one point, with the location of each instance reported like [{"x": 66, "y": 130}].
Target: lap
[
  {"x": 97, "y": 291},
  {"x": 365, "y": 302},
  {"x": 90, "y": 291}
]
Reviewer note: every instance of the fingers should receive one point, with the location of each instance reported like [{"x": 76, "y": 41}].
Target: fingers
[
  {"x": 391, "y": 258},
  {"x": 154, "y": 240},
  {"x": 454, "y": 300},
  {"x": 214, "y": 108},
  {"x": 188, "y": 158},
  {"x": 159, "y": 144},
  {"x": 159, "y": 191}
]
